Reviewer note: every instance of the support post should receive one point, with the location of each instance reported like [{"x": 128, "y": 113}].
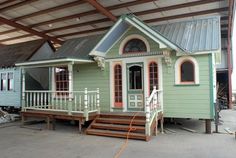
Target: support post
[
  {"x": 70, "y": 73},
  {"x": 98, "y": 101},
  {"x": 86, "y": 104},
  {"x": 23, "y": 90},
  {"x": 147, "y": 125},
  {"x": 155, "y": 97},
  {"x": 162, "y": 123},
  {"x": 208, "y": 126}
]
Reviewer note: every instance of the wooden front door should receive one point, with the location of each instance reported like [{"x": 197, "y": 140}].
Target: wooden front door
[{"x": 135, "y": 87}]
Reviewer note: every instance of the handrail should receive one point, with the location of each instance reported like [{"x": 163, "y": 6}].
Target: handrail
[
  {"x": 68, "y": 101},
  {"x": 152, "y": 108}
]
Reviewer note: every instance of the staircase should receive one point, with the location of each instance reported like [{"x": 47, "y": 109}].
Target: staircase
[{"x": 118, "y": 125}]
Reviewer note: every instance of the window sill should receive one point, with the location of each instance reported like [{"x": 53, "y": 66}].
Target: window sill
[{"x": 186, "y": 84}]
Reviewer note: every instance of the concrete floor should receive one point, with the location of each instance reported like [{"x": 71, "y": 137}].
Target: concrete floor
[{"x": 65, "y": 142}]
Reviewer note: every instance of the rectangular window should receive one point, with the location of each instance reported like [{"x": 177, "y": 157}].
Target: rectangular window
[
  {"x": 3, "y": 82},
  {"x": 62, "y": 79},
  {"x": 10, "y": 82}
]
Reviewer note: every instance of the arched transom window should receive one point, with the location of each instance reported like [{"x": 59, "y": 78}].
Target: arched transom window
[
  {"x": 135, "y": 46},
  {"x": 118, "y": 85}
]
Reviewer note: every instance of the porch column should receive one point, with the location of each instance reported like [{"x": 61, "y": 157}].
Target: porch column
[
  {"x": 70, "y": 76},
  {"x": 23, "y": 89}
]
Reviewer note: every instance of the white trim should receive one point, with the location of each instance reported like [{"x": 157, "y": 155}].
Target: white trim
[
  {"x": 198, "y": 53},
  {"x": 177, "y": 70},
  {"x": 161, "y": 44},
  {"x": 93, "y": 52},
  {"x": 124, "y": 62},
  {"x": 117, "y": 40},
  {"x": 133, "y": 36},
  {"x": 53, "y": 61}
]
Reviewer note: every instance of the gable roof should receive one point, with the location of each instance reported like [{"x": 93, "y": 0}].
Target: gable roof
[
  {"x": 20, "y": 52},
  {"x": 186, "y": 37},
  {"x": 121, "y": 26},
  {"x": 78, "y": 48},
  {"x": 198, "y": 35}
]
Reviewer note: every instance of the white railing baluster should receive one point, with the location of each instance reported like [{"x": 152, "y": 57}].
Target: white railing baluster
[
  {"x": 75, "y": 103},
  {"x": 84, "y": 102},
  {"x": 80, "y": 103}
]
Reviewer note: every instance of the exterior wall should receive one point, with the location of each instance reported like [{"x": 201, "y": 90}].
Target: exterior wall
[
  {"x": 180, "y": 101},
  {"x": 12, "y": 98},
  {"x": 188, "y": 101},
  {"x": 91, "y": 76}
]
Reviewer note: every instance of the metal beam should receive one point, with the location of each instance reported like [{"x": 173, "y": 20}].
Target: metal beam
[
  {"x": 45, "y": 11},
  {"x": 149, "y": 21},
  {"x": 102, "y": 10},
  {"x": 29, "y": 30},
  {"x": 178, "y": 6},
  {"x": 83, "y": 32},
  {"x": 229, "y": 53},
  {"x": 187, "y": 15},
  {"x": 7, "y": 2},
  {"x": 16, "y": 5},
  {"x": 92, "y": 12},
  {"x": 15, "y": 38},
  {"x": 168, "y": 18}
]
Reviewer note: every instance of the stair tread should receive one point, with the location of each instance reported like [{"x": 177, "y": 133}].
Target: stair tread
[
  {"x": 123, "y": 115},
  {"x": 117, "y": 125},
  {"x": 121, "y": 119},
  {"x": 116, "y": 134}
]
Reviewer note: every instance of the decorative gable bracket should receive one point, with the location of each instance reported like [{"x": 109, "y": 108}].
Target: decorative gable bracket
[
  {"x": 167, "y": 59},
  {"x": 100, "y": 61}
]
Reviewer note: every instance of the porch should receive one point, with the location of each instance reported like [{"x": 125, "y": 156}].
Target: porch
[{"x": 84, "y": 106}]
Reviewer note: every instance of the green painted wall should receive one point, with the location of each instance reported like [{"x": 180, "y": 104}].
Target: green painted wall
[
  {"x": 91, "y": 76},
  {"x": 114, "y": 51},
  {"x": 187, "y": 101}
]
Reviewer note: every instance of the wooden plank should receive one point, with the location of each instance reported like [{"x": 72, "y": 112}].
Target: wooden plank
[{"x": 116, "y": 134}]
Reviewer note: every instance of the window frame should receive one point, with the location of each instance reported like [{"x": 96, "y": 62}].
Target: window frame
[
  {"x": 149, "y": 78},
  {"x": 180, "y": 72},
  {"x": 178, "y": 64},
  {"x": 123, "y": 51},
  {"x": 1, "y": 82},
  {"x": 9, "y": 82},
  {"x": 117, "y": 104},
  {"x": 59, "y": 92},
  {"x": 130, "y": 37}
]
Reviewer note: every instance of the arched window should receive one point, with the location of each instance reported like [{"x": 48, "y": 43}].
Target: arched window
[
  {"x": 187, "y": 71},
  {"x": 118, "y": 85},
  {"x": 153, "y": 76},
  {"x": 134, "y": 46}
]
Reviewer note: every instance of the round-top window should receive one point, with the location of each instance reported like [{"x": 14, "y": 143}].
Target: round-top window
[{"x": 135, "y": 46}]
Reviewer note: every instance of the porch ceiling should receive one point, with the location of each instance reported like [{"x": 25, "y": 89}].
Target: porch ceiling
[{"x": 59, "y": 20}]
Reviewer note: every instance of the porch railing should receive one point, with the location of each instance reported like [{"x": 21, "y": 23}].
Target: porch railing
[
  {"x": 83, "y": 102},
  {"x": 153, "y": 107}
]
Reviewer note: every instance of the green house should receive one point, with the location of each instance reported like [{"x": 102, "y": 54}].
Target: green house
[{"x": 167, "y": 69}]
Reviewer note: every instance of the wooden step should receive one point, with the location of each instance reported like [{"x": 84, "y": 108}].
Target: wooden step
[
  {"x": 115, "y": 127},
  {"x": 120, "y": 121},
  {"x": 125, "y": 115},
  {"x": 118, "y": 134}
]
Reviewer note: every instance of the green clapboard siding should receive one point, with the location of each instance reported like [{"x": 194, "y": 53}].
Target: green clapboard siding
[
  {"x": 187, "y": 101},
  {"x": 91, "y": 76}
]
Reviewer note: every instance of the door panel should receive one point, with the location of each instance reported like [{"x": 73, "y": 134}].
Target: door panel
[{"x": 135, "y": 86}]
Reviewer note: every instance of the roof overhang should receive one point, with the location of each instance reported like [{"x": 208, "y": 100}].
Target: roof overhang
[{"x": 53, "y": 62}]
